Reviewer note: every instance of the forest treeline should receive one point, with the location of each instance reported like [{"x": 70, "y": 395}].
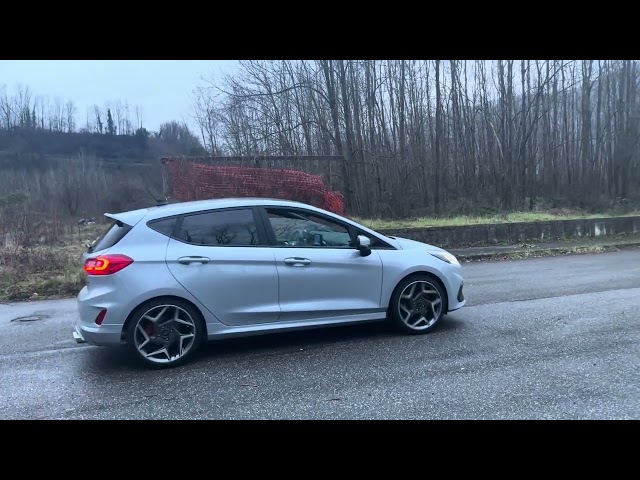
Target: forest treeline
[
  {"x": 440, "y": 136},
  {"x": 55, "y": 168},
  {"x": 416, "y": 137},
  {"x": 35, "y": 124}
]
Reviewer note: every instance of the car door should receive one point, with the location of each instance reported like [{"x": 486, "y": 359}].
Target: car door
[
  {"x": 220, "y": 257},
  {"x": 321, "y": 274}
]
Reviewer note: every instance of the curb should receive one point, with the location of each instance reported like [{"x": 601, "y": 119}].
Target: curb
[{"x": 546, "y": 252}]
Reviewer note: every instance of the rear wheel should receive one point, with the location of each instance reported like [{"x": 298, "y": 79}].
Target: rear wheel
[
  {"x": 165, "y": 332},
  {"x": 417, "y": 304}
]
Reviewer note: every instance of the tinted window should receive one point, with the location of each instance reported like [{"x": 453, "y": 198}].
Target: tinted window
[
  {"x": 113, "y": 235},
  {"x": 228, "y": 227},
  {"x": 165, "y": 226},
  {"x": 300, "y": 229}
]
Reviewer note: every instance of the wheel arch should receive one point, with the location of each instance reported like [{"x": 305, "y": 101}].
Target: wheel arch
[
  {"x": 127, "y": 321},
  {"x": 419, "y": 273}
]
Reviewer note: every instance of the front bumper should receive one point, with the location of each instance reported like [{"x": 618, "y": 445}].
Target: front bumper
[
  {"x": 460, "y": 300},
  {"x": 454, "y": 283}
]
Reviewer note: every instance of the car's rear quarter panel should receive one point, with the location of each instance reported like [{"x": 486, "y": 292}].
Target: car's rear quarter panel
[{"x": 148, "y": 277}]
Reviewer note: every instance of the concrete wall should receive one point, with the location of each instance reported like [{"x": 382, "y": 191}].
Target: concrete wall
[{"x": 512, "y": 233}]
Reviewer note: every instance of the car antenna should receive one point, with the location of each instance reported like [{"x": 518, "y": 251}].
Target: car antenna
[{"x": 158, "y": 201}]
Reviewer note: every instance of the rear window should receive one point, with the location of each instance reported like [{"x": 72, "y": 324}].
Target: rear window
[{"x": 113, "y": 235}]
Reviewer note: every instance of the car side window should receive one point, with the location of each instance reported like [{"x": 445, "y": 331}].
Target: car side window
[
  {"x": 222, "y": 228},
  {"x": 296, "y": 228},
  {"x": 164, "y": 226}
]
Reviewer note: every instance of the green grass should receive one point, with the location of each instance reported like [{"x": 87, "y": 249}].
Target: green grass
[{"x": 381, "y": 224}]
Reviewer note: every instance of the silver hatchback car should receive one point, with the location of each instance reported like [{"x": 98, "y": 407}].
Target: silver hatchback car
[{"x": 165, "y": 279}]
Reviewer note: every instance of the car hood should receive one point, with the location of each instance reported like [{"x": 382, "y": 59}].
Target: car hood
[{"x": 407, "y": 244}]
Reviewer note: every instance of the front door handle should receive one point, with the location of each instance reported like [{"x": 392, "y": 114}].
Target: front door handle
[
  {"x": 297, "y": 261},
  {"x": 190, "y": 260}
]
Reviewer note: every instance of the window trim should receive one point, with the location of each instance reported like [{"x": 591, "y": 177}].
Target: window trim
[
  {"x": 257, "y": 220},
  {"x": 353, "y": 231}
]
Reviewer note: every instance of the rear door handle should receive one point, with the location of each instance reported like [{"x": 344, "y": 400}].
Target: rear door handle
[
  {"x": 297, "y": 261},
  {"x": 190, "y": 260}
]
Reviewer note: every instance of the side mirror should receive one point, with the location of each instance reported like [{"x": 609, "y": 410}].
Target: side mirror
[{"x": 363, "y": 244}]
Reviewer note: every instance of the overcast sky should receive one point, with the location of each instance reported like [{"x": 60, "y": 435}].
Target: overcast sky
[{"x": 161, "y": 87}]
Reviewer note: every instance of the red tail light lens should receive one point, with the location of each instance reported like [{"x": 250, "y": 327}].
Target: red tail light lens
[{"x": 106, "y": 264}]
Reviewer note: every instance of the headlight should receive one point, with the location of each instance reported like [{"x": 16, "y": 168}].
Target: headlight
[{"x": 446, "y": 257}]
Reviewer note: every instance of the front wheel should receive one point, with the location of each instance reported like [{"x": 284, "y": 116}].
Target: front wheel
[
  {"x": 165, "y": 332},
  {"x": 417, "y": 304}
]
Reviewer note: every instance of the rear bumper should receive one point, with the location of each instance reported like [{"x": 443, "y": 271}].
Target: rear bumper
[
  {"x": 90, "y": 304},
  {"x": 77, "y": 335},
  {"x": 104, "y": 335}
]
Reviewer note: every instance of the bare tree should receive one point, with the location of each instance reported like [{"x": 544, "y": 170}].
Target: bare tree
[
  {"x": 70, "y": 110},
  {"x": 99, "y": 119}
]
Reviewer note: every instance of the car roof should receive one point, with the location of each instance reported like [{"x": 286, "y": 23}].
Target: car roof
[{"x": 134, "y": 216}]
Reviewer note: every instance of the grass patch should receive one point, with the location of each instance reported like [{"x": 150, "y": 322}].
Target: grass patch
[
  {"x": 552, "y": 252},
  {"x": 381, "y": 224},
  {"x": 40, "y": 272},
  {"x": 45, "y": 272}
]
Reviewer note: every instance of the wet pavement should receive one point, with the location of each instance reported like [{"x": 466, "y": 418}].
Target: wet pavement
[{"x": 540, "y": 338}]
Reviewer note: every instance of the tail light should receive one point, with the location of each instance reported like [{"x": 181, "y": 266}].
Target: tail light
[{"x": 106, "y": 264}]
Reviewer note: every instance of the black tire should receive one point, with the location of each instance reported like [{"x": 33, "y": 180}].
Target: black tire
[
  {"x": 428, "y": 324},
  {"x": 172, "y": 335}
]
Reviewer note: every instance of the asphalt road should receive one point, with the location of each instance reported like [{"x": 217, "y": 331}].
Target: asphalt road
[{"x": 552, "y": 338}]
